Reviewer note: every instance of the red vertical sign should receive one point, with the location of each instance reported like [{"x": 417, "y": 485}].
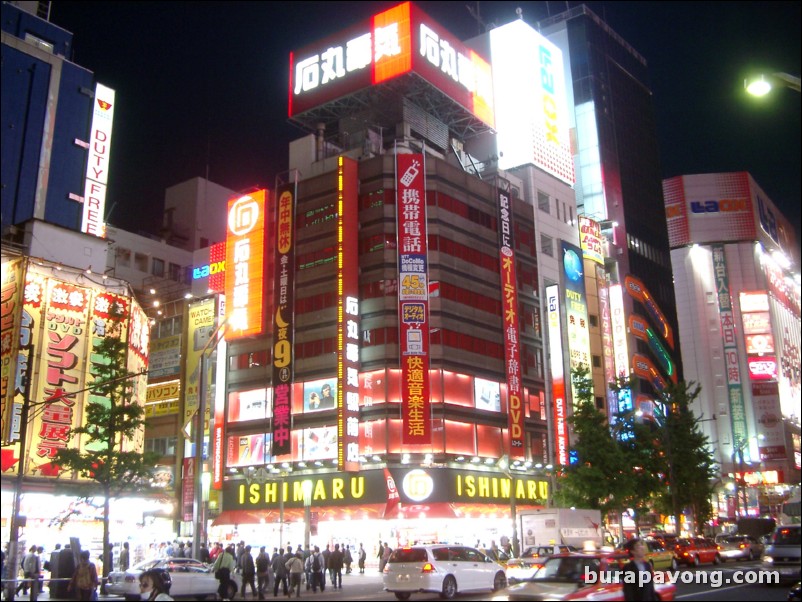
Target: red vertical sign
[
  {"x": 283, "y": 322},
  {"x": 413, "y": 299},
  {"x": 512, "y": 344}
]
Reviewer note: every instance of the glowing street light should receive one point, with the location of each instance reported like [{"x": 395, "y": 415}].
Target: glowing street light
[{"x": 762, "y": 85}]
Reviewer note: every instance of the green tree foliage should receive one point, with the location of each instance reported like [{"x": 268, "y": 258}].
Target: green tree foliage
[
  {"x": 692, "y": 468},
  {"x": 601, "y": 478},
  {"x": 111, "y": 423}
]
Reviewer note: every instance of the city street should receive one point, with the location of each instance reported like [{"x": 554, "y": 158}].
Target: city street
[{"x": 368, "y": 586}]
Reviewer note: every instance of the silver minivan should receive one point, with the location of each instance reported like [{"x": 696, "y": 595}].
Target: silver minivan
[{"x": 783, "y": 552}]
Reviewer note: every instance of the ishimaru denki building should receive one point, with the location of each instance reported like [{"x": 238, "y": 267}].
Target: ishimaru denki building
[{"x": 385, "y": 375}]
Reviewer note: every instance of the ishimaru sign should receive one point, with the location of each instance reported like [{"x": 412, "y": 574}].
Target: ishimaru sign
[{"x": 414, "y": 486}]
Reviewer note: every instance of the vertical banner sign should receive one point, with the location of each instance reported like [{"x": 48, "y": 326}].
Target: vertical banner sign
[
  {"x": 413, "y": 299},
  {"x": 244, "y": 274},
  {"x": 619, "y": 324},
  {"x": 97, "y": 164},
  {"x": 557, "y": 375},
  {"x": 283, "y": 325},
  {"x": 188, "y": 489},
  {"x": 607, "y": 340},
  {"x": 30, "y": 337},
  {"x": 730, "y": 341},
  {"x": 200, "y": 325},
  {"x": 12, "y": 284},
  {"x": 576, "y": 309},
  {"x": 61, "y": 368},
  {"x": 509, "y": 303},
  {"x": 348, "y": 324},
  {"x": 138, "y": 361}
]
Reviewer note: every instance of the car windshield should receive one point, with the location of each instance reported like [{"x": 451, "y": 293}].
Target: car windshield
[{"x": 570, "y": 569}]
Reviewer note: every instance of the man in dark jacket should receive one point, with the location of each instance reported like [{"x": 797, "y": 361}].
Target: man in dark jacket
[
  {"x": 248, "y": 569},
  {"x": 336, "y": 567},
  {"x": 638, "y": 575},
  {"x": 280, "y": 573},
  {"x": 262, "y": 572}
]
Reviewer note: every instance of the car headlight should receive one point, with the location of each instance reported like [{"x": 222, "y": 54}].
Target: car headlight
[{"x": 768, "y": 560}]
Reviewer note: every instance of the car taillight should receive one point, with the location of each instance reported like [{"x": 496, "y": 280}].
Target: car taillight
[
  {"x": 427, "y": 568},
  {"x": 742, "y": 546}
]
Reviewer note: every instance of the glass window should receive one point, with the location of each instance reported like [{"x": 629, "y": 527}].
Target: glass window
[
  {"x": 141, "y": 262},
  {"x": 547, "y": 245},
  {"x": 158, "y": 267},
  {"x": 543, "y": 202},
  {"x": 123, "y": 257}
]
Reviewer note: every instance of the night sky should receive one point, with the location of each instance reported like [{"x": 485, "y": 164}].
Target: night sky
[{"x": 203, "y": 85}]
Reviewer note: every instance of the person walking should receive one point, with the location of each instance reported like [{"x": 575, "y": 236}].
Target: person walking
[
  {"x": 30, "y": 571},
  {"x": 325, "y": 555},
  {"x": 638, "y": 576},
  {"x": 125, "y": 558},
  {"x": 318, "y": 568},
  {"x": 279, "y": 573},
  {"x": 362, "y": 557},
  {"x": 262, "y": 573},
  {"x": 84, "y": 582},
  {"x": 52, "y": 565},
  {"x": 223, "y": 566},
  {"x": 66, "y": 569},
  {"x": 248, "y": 570},
  {"x": 336, "y": 567},
  {"x": 347, "y": 558},
  {"x": 385, "y": 556},
  {"x": 295, "y": 567}
]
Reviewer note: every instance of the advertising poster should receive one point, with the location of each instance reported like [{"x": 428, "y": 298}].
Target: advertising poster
[
  {"x": 254, "y": 404},
  {"x": 248, "y": 450},
  {"x": 320, "y": 443},
  {"x": 576, "y": 308},
  {"x": 487, "y": 395},
  {"x": 283, "y": 319},
  {"x": 320, "y": 395},
  {"x": 12, "y": 284},
  {"x": 200, "y": 326},
  {"x": 557, "y": 375},
  {"x": 510, "y": 314},
  {"x": 413, "y": 299}
]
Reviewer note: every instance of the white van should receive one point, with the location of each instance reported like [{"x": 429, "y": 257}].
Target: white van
[{"x": 783, "y": 552}]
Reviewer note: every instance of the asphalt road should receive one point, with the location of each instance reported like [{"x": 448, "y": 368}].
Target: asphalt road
[{"x": 701, "y": 585}]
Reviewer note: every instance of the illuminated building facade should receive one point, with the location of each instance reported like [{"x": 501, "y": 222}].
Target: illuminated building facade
[
  {"x": 405, "y": 287},
  {"x": 618, "y": 185},
  {"x": 735, "y": 256}
]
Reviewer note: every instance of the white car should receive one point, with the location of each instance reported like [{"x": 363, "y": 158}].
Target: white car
[
  {"x": 441, "y": 568},
  {"x": 191, "y": 579},
  {"x": 531, "y": 559}
]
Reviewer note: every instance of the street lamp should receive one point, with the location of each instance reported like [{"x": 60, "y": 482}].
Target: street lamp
[{"x": 762, "y": 85}]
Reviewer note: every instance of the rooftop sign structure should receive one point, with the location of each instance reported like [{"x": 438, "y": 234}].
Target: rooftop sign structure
[{"x": 401, "y": 51}]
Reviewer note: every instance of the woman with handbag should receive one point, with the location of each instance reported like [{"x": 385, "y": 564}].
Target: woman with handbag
[{"x": 223, "y": 565}]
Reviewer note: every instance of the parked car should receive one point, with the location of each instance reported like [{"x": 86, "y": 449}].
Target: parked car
[
  {"x": 795, "y": 593},
  {"x": 191, "y": 579},
  {"x": 441, "y": 568},
  {"x": 693, "y": 551},
  {"x": 733, "y": 547},
  {"x": 564, "y": 577},
  {"x": 783, "y": 552},
  {"x": 531, "y": 559}
]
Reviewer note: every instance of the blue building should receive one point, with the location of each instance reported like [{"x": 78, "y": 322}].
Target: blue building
[{"x": 46, "y": 114}]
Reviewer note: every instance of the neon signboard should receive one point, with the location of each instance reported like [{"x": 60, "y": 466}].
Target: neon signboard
[
  {"x": 395, "y": 42},
  {"x": 557, "y": 374}
]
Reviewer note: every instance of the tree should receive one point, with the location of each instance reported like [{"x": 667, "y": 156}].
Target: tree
[
  {"x": 111, "y": 422},
  {"x": 691, "y": 466},
  {"x": 600, "y": 478}
]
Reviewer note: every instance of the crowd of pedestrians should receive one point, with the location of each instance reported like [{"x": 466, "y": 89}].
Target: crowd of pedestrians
[{"x": 286, "y": 571}]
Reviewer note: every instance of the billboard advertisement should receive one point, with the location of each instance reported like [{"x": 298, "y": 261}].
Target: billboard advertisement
[
  {"x": 576, "y": 308},
  {"x": 530, "y": 100},
  {"x": 400, "y": 40},
  {"x": 510, "y": 314},
  {"x": 557, "y": 375},
  {"x": 283, "y": 318},
  {"x": 97, "y": 164},
  {"x": 245, "y": 254},
  {"x": 729, "y": 339},
  {"x": 590, "y": 240},
  {"x": 12, "y": 285},
  {"x": 413, "y": 298}
]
